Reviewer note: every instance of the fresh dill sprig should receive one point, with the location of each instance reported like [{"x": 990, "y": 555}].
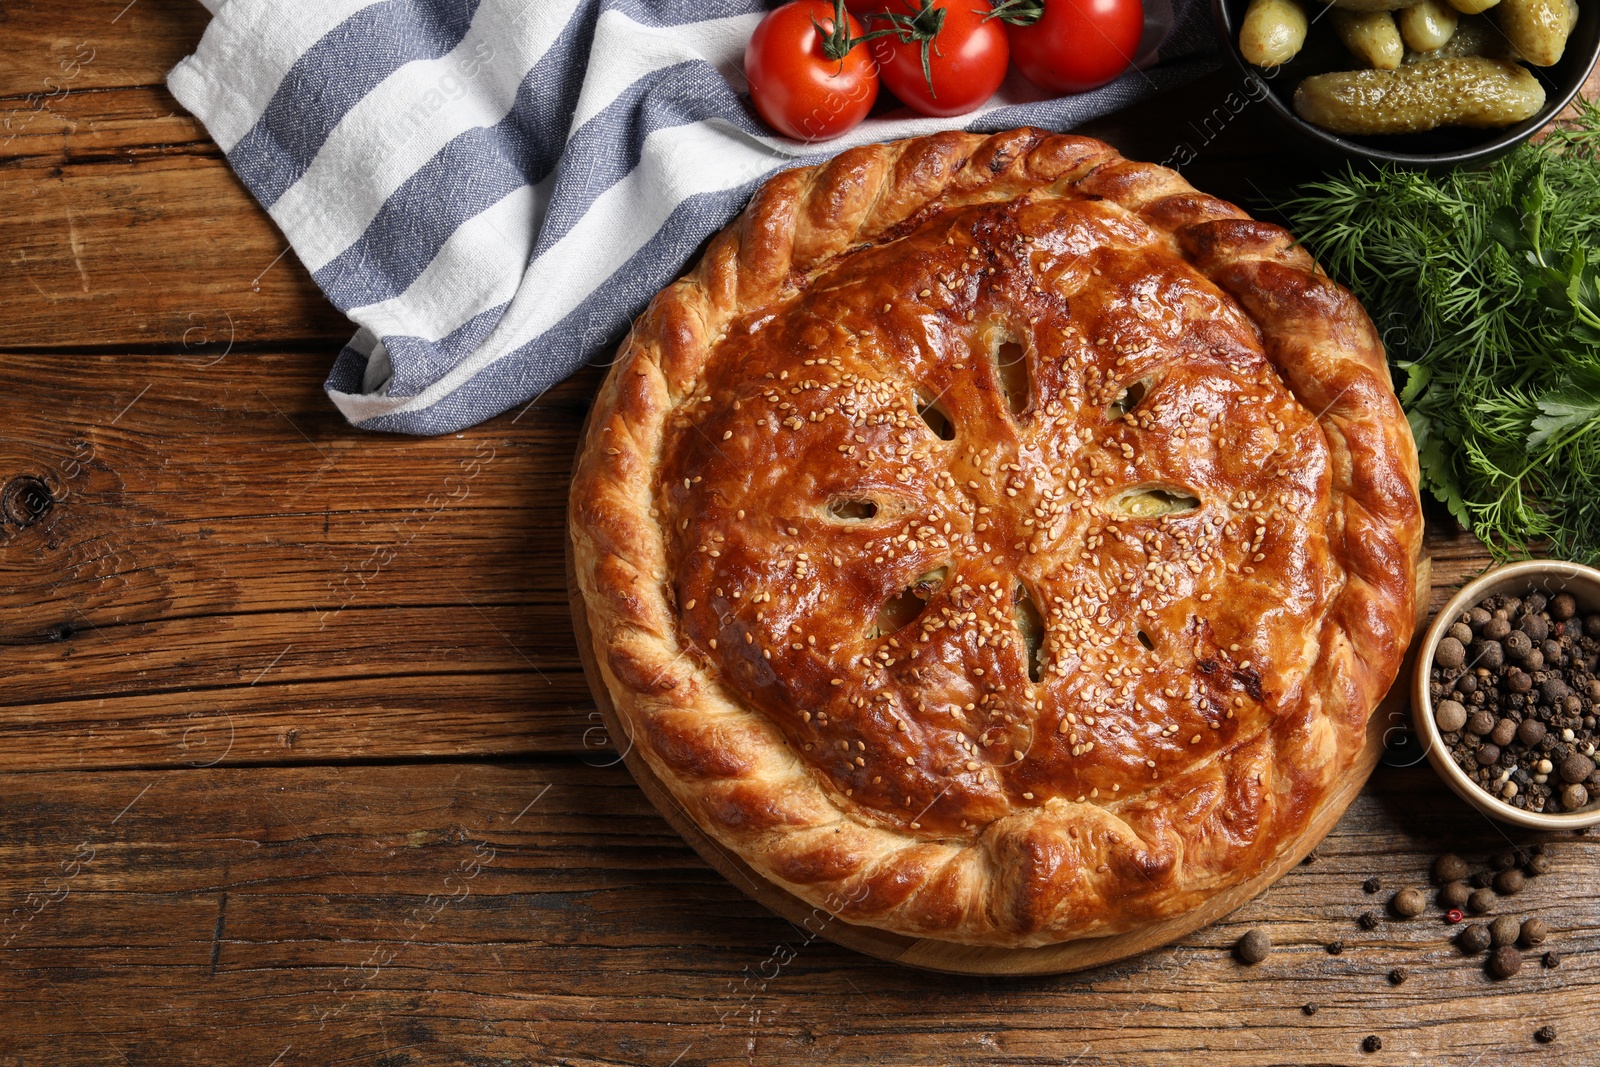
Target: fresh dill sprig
[{"x": 1485, "y": 286}]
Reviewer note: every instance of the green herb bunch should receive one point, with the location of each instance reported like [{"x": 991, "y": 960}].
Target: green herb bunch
[{"x": 1486, "y": 288}]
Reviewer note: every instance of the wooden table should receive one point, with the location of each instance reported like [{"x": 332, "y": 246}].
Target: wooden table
[{"x": 299, "y": 763}]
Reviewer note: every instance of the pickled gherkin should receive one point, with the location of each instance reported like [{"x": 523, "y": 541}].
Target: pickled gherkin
[{"x": 1465, "y": 91}]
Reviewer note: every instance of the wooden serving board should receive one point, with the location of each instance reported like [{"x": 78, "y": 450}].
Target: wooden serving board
[{"x": 939, "y": 955}]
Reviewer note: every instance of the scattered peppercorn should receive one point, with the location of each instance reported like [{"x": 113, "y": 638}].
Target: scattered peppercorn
[
  {"x": 1534, "y": 931},
  {"x": 1508, "y": 883},
  {"x": 1397, "y": 976},
  {"x": 1504, "y": 931},
  {"x": 1371, "y": 1043},
  {"x": 1474, "y": 939},
  {"x": 1448, "y": 868},
  {"x": 1371, "y": 885},
  {"x": 1310, "y": 1009},
  {"x": 1335, "y": 948},
  {"x": 1408, "y": 903},
  {"x": 1504, "y": 962},
  {"x": 1368, "y": 920},
  {"x": 1253, "y": 947},
  {"x": 1552, "y": 960},
  {"x": 1545, "y": 1034}
]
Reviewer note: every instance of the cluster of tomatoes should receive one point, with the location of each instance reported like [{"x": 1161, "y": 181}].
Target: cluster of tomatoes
[{"x": 815, "y": 66}]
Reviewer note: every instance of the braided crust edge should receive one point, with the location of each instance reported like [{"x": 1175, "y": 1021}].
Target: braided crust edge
[{"x": 1064, "y": 870}]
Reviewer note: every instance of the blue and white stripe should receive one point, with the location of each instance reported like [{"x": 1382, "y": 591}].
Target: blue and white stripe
[{"x": 492, "y": 189}]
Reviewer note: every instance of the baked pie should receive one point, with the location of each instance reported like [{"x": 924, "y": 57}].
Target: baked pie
[{"x": 996, "y": 540}]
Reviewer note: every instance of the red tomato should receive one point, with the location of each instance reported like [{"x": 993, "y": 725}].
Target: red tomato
[
  {"x": 809, "y": 85},
  {"x": 862, "y": 9},
  {"x": 1078, "y": 45},
  {"x": 965, "y": 53}
]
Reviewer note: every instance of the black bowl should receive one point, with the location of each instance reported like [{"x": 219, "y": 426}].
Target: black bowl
[{"x": 1433, "y": 149}]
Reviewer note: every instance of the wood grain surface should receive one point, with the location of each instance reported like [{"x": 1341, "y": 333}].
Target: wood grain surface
[{"x": 297, "y": 764}]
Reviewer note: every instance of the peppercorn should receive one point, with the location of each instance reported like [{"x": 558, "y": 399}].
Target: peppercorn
[
  {"x": 1474, "y": 939},
  {"x": 1552, "y": 959},
  {"x": 1534, "y": 626},
  {"x": 1336, "y": 948},
  {"x": 1534, "y": 931},
  {"x": 1481, "y": 901},
  {"x": 1504, "y": 962},
  {"x": 1483, "y": 879},
  {"x": 1504, "y": 931},
  {"x": 1448, "y": 868},
  {"x": 1408, "y": 903},
  {"x": 1397, "y": 976},
  {"x": 1545, "y": 1034},
  {"x": 1508, "y": 883},
  {"x": 1310, "y": 1009},
  {"x": 1368, "y": 920},
  {"x": 1453, "y": 916},
  {"x": 1371, "y": 885},
  {"x": 1454, "y": 895},
  {"x": 1371, "y": 1043},
  {"x": 1450, "y": 716},
  {"x": 1253, "y": 947}
]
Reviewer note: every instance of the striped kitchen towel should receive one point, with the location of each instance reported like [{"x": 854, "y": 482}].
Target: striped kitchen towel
[{"x": 492, "y": 189}]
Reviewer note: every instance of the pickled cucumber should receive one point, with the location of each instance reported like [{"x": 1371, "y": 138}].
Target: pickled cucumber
[
  {"x": 1536, "y": 28},
  {"x": 1474, "y": 36},
  {"x": 1371, "y": 5},
  {"x": 1371, "y": 36},
  {"x": 1273, "y": 32},
  {"x": 1428, "y": 25},
  {"x": 1464, "y": 91}
]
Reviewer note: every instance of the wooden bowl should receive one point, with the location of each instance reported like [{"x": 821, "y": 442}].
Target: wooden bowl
[{"x": 1545, "y": 576}]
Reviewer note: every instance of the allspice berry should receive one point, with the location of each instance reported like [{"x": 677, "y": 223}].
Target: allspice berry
[
  {"x": 1451, "y": 653},
  {"x": 1574, "y": 796},
  {"x": 1575, "y": 767},
  {"x": 1504, "y": 931},
  {"x": 1474, "y": 939},
  {"x": 1534, "y": 932},
  {"x": 1450, "y": 716},
  {"x": 1408, "y": 903},
  {"x": 1253, "y": 947},
  {"x": 1508, "y": 883},
  {"x": 1530, "y": 732},
  {"x": 1454, "y": 894},
  {"x": 1504, "y": 732},
  {"x": 1537, "y": 864},
  {"x": 1449, "y": 868},
  {"x": 1480, "y": 722},
  {"x": 1481, "y": 901},
  {"x": 1504, "y": 962}
]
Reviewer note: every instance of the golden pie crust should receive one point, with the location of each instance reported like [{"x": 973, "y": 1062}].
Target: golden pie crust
[{"x": 996, "y": 540}]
